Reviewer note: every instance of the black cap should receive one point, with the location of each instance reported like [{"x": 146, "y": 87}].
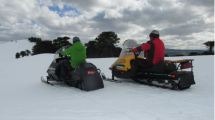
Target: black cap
[
  {"x": 154, "y": 34},
  {"x": 75, "y": 39}
]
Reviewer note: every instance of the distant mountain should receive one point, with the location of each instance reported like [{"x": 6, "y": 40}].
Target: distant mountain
[{"x": 178, "y": 52}]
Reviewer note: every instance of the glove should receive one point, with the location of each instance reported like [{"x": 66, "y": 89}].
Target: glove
[
  {"x": 60, "y": 55},
  {"x": 129, "y": 50},
  {"x": 135, "y": 51}
]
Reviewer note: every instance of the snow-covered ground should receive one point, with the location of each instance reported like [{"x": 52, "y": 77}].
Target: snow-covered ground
[
  {"x": 24, "y": 97},
  {"x": 9, "y": 49}
]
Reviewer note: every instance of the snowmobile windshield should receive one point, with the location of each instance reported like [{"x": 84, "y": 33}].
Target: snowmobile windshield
[
  {"x": 127, "y": 45},
  {"x": 60, "y": 51}
]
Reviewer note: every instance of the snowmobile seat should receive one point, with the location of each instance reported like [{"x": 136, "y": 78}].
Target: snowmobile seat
[
  {"x": 162, "y": 68},
  {"x": 159, "y": 68}
]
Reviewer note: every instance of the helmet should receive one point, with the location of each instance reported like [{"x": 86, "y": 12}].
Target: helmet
[
  {"x": 154, "y": 34},
  {"x": 75, "y": 39}
]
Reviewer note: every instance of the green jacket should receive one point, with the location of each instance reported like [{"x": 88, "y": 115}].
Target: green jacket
[{"x": 77, "y": 54}]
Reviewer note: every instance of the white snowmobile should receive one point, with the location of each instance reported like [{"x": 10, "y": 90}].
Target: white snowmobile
[{"x": 86, "y": 77}]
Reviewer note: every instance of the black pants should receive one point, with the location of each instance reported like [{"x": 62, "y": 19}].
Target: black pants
[
  {"x": 64, "y": 73},
  {"x": 139, "y": 65},
  {"x": 63, "y": 70}
]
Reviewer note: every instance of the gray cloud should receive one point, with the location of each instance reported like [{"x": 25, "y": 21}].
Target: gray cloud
[
  {"x": 187, "y": 28},
  {"x": 184, "y": 20},
  {"x": 206, "y": 3},
  {"x": 103, "y": 24},
  {"x": 80, "y": 4}
]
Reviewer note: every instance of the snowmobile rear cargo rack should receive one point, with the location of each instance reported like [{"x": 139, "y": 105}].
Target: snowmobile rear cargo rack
[{"x": 182, "y": 64}]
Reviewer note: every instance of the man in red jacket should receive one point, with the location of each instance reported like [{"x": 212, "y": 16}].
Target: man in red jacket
[{"x": 154, "y": 51}]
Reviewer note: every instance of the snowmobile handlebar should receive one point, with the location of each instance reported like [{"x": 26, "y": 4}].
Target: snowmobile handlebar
[
  {"x": 136, "y": 54},
  {"x": 62, "y": 57}
]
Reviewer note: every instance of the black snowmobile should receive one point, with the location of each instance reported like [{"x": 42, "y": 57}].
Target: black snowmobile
[
  {"x": 86, "y": 77},
  {"x": 173, "y": 74}
]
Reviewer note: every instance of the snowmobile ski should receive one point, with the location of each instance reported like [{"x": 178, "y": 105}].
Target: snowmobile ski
[
  {"x": 111, "y": 80},
  {"x": 46, "y": 81}
]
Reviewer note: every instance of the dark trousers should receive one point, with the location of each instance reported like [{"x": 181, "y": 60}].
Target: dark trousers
[
  {"x": 64, "y": 73},
  {"x": 63, "y": 70},
  {"x": 139, "y": 65}
]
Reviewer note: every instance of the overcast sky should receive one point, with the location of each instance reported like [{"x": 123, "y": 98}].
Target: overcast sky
[{"x": 183, "y": 24}]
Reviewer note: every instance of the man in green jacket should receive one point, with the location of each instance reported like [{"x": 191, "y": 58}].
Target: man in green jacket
[{"x": 76, "y": 53}]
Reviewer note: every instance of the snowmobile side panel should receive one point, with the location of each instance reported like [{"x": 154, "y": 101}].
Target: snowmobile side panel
[
  {"x": 186, "y": 79},
  {"x": 91, "y": 78},
  {"x": 120, "y": 74}
]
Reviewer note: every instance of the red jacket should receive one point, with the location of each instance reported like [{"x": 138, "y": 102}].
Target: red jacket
[{"x": 154, "y": 50}]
